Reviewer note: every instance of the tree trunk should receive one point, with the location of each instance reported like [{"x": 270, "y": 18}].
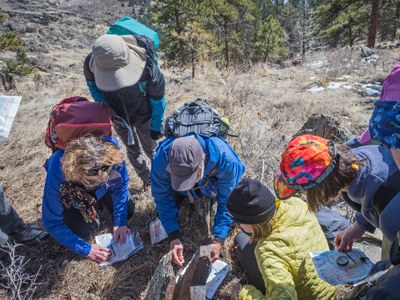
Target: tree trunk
[
  {"x": 395, "y": 23},
  {"x": 193, "y": 66},
  {"x": 178, "y": 27},
  {"x": 351, "y": 38},
  {"x": 373, "y": 24},
  {"x": 226, "y": 42}
]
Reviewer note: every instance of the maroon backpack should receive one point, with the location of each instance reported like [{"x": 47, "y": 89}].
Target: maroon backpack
[{"x": 75, "y": 117}]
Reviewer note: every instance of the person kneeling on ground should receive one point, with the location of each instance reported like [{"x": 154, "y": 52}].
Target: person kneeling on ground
[
  {"x": 194, "y": 166},
  {"x": 274, "y": 244},
  {"x": 321, "y": 169},
  {"x": 88, "y": 173}
]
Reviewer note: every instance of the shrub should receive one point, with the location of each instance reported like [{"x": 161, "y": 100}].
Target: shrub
[{"x": 10, "y": 41}]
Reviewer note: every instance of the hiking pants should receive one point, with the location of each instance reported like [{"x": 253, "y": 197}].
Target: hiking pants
[
  {"x": 140, "y": 133},
  {"x": 331, "y": 223},
  {"x": 74, "y": 219},
  {"x": 247, "y": 259},
  {"x": 9, "y": 219}
]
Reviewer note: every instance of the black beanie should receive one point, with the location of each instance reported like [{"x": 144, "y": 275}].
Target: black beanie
[{"x": 251, "y": 202}]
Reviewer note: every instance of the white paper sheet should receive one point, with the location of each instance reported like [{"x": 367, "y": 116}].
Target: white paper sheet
[
  {"x": 328, "y": 269},
  {"x": 119, "y": 252},
  {"x": 8, "y": 109}
]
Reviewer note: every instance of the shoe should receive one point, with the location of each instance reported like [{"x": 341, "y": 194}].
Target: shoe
[
  {"x": 146, "y": 186},
  {"x": 27, "y": 235}
]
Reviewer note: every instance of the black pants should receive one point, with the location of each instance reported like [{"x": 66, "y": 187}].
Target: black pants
[
  {"x": 74, "y": 219},
  {"x": 248, "y": 261}
]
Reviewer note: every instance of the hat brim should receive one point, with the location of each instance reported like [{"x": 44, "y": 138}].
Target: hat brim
[
  {"x": 184, "y": 183},
  {"x": 109, "y": 80},
  {"x": 365, "y": 137},
  {"x": 282, "y": 191}
]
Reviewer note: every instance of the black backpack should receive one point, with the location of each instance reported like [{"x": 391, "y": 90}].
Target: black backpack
[{"x": 199, "y": 117}]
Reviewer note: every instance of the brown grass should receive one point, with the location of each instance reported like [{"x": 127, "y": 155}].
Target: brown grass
[{"x": 265, "y": 106}]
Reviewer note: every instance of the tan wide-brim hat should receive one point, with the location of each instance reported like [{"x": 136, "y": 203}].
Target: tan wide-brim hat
[{"x": 115, "y": 64}]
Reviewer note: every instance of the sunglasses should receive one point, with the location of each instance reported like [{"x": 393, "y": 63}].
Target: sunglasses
[{"x": 96, "y": 171}]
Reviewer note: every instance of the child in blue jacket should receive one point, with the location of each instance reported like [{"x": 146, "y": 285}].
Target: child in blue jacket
[
  {"x": 193, "y": 165},
  {"x": 90, "y": 170}
]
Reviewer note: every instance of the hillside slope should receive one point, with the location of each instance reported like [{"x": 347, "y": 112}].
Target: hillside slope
[{"x": 266, "y": 107}]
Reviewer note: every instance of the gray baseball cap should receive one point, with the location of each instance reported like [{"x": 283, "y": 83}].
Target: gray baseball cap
[{"x": 185, "y": 157}]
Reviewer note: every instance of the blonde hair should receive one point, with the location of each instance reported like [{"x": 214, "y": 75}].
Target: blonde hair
[
  {"x": 261, "y": 231},
  {"x": 88, "y": 153}
]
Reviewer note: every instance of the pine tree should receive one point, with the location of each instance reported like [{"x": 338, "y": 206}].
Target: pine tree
[
  {"x": 389, "y": 20},
  {"x": 269, "y": 39},
  {"x": 306, "y": 29},
  {"x": 343, "y": 21},
  {"x": 233, "y": 20}
]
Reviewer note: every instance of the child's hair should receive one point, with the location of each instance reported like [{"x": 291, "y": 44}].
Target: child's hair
[
  {"x": 326, "y": 192},
  {"x": 86, "y": 154},
  {"x": 261, "y": 231}
]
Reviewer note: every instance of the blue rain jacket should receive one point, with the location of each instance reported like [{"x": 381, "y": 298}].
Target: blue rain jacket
[
  {"x": 230, "y": 168},
  {"x": 52, "y": 210}
]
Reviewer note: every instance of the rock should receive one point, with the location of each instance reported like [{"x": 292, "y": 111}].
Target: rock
[
  {"x": 325, "y": 127},
  {"x": 15, "y": 26},
  {"x": 297, "y": 62},
  {"x": 366, "y": 51}
]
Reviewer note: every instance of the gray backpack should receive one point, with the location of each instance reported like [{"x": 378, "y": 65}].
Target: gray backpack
[{"x": 197, "y": 116}]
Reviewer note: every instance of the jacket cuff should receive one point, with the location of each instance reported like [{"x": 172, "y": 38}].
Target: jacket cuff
[
  {"x": 173, "y": 236},
  {"x": 219, "y": 240},
  {"x": 364, "y": 223},
  {"x": 157, "y": 115}
]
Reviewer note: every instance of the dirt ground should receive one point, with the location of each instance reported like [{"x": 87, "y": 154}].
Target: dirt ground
[{"x": 265, "y": 105}]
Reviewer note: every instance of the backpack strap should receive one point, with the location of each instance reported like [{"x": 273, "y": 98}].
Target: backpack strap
[
  {"x": 387, "y": 191},
  {"x": 151, "y": 54},
  {"x": 212, "y": 173}
]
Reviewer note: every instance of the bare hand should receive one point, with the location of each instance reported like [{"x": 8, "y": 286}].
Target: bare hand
[
  {"x": 98, "y": 253},
  {"x": 120, "y": 232},
  {"x": 344, "y": 239},
  {"x": 176, "y": 248},
  {"x": 215, "y": 251}
]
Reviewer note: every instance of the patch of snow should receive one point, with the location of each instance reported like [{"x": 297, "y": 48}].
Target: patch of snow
[
  {"x": 313, "y": 78},
  {"x": 318, "y": 64},
  {"x": 372, "y": 92},
  {"x": 315, "y": 89},
  {"x": 334, "y": 85}
]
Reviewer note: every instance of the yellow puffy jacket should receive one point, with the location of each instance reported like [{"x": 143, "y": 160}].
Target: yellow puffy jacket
[{"x": 283, "y": 257}]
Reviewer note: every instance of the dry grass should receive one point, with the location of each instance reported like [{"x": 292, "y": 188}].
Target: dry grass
[{"x": 265, "y": 106}]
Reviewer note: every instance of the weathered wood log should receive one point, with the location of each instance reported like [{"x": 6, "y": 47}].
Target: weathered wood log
[
  {"x": 162, "y": 284},
  {"x": 196, "y": 220},
  {"x": 192, "y": 284}
]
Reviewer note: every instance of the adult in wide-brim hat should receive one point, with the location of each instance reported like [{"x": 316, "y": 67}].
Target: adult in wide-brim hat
[{"x": 122, "y": 72}]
